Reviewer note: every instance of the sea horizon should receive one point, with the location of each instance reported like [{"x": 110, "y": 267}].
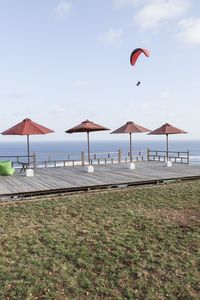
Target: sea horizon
[{"x": 75, "y": 147}]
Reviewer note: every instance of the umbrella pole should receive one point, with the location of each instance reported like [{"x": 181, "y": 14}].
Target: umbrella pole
[
  {"x": 131, "y": 148},
  {"x": 167, "y": 146},
  {"x": 28, "y": 149},
  {"x": 88, "y": 142}
]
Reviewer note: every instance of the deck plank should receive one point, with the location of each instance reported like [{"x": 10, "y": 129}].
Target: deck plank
[{"x": 71, "y": 177}]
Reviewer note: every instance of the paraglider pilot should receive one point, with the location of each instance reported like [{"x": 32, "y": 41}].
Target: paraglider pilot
[{"x": 134, "y": 56}]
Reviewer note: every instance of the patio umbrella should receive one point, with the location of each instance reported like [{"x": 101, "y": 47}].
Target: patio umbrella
[
  {"x": 87, "y": 126},
  {"x": 167, "y": 129},
  {"x": 130, "y": 127},
  {"x": 27, "y": 127}
]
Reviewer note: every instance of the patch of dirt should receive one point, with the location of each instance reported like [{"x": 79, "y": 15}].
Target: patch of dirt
[{"x": 184, "y": 217}]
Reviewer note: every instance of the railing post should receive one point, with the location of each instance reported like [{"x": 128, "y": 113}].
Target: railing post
[
  {"x": 82, "y": 158},
  {"x": 119, "y": 155},
  {"x": 148, "y": 153},
  {"x": 34, "y": 161}
]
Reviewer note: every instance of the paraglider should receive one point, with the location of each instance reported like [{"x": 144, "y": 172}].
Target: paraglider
[
  {"x": 134, "y": 57},
  {"x": 136, "y": 53}
]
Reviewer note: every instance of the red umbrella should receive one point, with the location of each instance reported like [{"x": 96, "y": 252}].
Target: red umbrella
[
  {"x": 130, "y": 127},
  {"x": 27, "y": 127},
  {"x": 87, "y": 126},
  {"x": 167, "y": 129}
]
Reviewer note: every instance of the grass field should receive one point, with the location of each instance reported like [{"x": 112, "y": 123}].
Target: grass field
[{"x": 137, "y": 243}]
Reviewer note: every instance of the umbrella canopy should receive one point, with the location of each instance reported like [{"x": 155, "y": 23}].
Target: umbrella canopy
[
  {"x": 130, "y": 127},
  {"x": 27, "y": 127},
  {"x": 167, "y": 129},
  {"x": 87, "y": 126}
]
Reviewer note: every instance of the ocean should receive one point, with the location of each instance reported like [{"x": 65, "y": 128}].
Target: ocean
[{"x": 60, "y": 149}]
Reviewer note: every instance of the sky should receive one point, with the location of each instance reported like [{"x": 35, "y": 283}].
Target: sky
[{"x": 64, "y": 61}]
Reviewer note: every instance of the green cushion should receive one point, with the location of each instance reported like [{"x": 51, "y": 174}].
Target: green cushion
[{"x": 6, "y": 168}]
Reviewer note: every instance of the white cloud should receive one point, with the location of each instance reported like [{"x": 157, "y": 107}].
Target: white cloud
[
  {"x": 157, "y": 11},
  {"x": 164, "y": 94},
  {"x": 18, "y": 94},
  {"x": 190, "y": 30},
  {"x": 122, "y": 3},
  {"x": 58, "y": 110},
  {"x": 63, "y": 9},
  {"x": 111, "y": 36},
  {"x": 80, "y": 83},
  {"x": 145, "y": 106}
]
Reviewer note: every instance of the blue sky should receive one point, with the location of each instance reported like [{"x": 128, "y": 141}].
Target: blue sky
[{"x": 66, "y": 61}]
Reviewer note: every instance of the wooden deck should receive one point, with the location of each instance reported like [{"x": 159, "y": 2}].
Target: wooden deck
[{"x": 66, "y": 179}]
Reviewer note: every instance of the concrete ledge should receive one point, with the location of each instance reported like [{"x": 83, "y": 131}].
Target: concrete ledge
[
  {"x": 169, "y": 163},
  {"x": 29, "y": 172},
  {"x": 89, "y": 169},
  {"x": 132, "y": 166}
]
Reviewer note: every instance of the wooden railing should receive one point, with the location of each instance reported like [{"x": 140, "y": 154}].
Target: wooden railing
[
  {"x": 78, "y": 159},
  {"x": 57, "y": 160},
  {"x": 174, "y": 156}
]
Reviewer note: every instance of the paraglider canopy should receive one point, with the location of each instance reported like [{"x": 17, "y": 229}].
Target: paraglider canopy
[{"x": 136, "y": 53}]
